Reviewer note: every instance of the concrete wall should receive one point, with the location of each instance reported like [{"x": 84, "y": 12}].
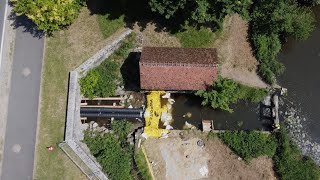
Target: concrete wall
[{"x": 74, "y": 128}]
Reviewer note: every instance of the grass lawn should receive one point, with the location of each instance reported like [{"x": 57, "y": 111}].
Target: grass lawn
[
  {"x": 107, "y": 26},
  {"x": 195, "y": 38},
  {"x": 65, "y": 51}
]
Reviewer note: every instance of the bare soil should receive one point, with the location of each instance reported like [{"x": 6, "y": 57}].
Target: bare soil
[
  {"x": 179, "y": 157},
  {"x": 237, "y": 61}
]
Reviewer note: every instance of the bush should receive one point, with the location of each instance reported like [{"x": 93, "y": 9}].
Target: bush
[
  {"x": 121, "y": 128},
  {"x": 250, "y": 144},
  {"x": 266, "y": 49},
  {"x": 290, "y": 164},
  {"x": 48, "y": 15},
  {"x": 115, "y": 161},
  {"x": 102, "y": 81},
  {"x": 224, "y": 92}
]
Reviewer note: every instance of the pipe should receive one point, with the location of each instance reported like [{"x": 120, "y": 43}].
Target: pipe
[
  {"x": 109, "y": 110},
  {"x": 110, "y": 115}
]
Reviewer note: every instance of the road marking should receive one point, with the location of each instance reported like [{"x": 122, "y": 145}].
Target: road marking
[
  {"x": 26, "y": 72},
  {"x": 3, "y": 29},
  {"x": 16, "y": 148}
]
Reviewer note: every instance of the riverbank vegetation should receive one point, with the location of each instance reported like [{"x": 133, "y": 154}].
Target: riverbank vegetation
[
  {"x": 224, "y": 92},
  {"x": 103, "y": 80},
  {"x": 249, "y": 145},
  {"x": 115, "y": 154},
  {"x": 290, "y": 164},
  {"x": 272, "y": 20},
  {"x": 111, "y": 150}
]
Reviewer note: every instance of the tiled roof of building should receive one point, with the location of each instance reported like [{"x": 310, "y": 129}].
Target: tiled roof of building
[
  {"x": 177, "y": 68},
  {"x": 200, "y": 56}
]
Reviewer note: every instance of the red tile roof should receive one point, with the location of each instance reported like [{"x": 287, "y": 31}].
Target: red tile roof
[{"x": 177, "y": 68}]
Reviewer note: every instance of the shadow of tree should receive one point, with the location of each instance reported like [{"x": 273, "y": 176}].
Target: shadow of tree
[
  {"x": 26, "y": 24},
  {"x": 134, "y": 12},
  {"x": 130, "y": 72}
]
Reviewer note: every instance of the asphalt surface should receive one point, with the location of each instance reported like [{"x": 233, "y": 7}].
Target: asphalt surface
[{"x": 22, "y": 118}]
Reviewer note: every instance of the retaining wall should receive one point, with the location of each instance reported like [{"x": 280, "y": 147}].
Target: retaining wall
[{"x": 74, "y": 130}]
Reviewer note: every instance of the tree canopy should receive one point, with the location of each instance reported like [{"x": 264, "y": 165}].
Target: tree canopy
[
  {"x": 199, "y": 11},
  {"x": 48, "y": 15},
  {"x": 225, "y": 92}
]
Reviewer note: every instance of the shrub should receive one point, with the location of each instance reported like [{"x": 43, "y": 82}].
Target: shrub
[
  {"x": 102, "y": 81},
  {"x": 290, "y": 164},
  {"x": 115, "y": 161},
  {"x": 121, "y": 128},
  {"x": 250, "y": 144},
  {"x": 266, "y": 49},
  {"x": 224, "y": 92},
  {"x": 48, "y": 15}
]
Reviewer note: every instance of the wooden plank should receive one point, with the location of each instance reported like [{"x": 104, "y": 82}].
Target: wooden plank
[
  {"x": 105, "y": 99},
  {"x": 104, "y": 106}
]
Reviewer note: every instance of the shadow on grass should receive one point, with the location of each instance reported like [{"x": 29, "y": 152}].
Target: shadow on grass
[
  {"x": 137, "y": 11},
  {"x": 130, "y": 72}
]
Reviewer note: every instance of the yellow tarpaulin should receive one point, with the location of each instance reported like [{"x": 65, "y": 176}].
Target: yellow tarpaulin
[{"x": 153, "y": 114}]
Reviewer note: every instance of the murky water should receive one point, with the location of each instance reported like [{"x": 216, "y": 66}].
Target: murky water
[
  {"x": 246, "y": 116},
  {"x": 302, "y": 78}
]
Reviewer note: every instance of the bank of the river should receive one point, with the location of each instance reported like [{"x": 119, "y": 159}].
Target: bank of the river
[{"x": 301, "y": 77}]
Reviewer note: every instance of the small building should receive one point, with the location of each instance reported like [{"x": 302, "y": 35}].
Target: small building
[{"x": 177, "y": 69}]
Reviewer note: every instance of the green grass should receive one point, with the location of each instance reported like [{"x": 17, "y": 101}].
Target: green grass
[
  {"x": 54, "y": 165},
  {"x": 194, "y": 38},
  {"x": 142, "y": 165},
  {"x": 107, "y": 26},
  {"x": 249, "y": 145}
]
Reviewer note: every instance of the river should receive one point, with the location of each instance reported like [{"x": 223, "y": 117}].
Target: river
[{"x": 302, "y": 78}]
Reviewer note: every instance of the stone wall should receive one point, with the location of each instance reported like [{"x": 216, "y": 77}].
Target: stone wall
[{"x": 74, "y": 129}]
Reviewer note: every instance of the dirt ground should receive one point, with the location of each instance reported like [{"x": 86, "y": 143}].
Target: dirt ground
[
  {"x": 235, "y": 53},
  {"x": 179, "y": 157}
]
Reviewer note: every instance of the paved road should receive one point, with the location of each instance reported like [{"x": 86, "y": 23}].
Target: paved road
[{"x": 23, "y": 107}]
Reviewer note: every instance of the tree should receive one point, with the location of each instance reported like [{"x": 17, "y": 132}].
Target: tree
[
  {"x": 48, "y": 15},
  {"x": 225, "y": 92},
  {"x": 199, "y": 12},
  {"x": 271, "y": 19}
]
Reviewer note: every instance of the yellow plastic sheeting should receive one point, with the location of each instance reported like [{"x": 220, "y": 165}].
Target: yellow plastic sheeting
[
  {"x": 154, "y": 132},
  {"x": 153, "y": 114}
]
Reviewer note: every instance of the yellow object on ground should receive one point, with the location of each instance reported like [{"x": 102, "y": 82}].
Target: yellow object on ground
[{"x": 153, "y": 113}]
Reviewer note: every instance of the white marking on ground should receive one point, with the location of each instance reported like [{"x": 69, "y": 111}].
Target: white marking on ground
[
  {"x": 16, "y": 148},
  {"x": 26, "y": 72}
]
